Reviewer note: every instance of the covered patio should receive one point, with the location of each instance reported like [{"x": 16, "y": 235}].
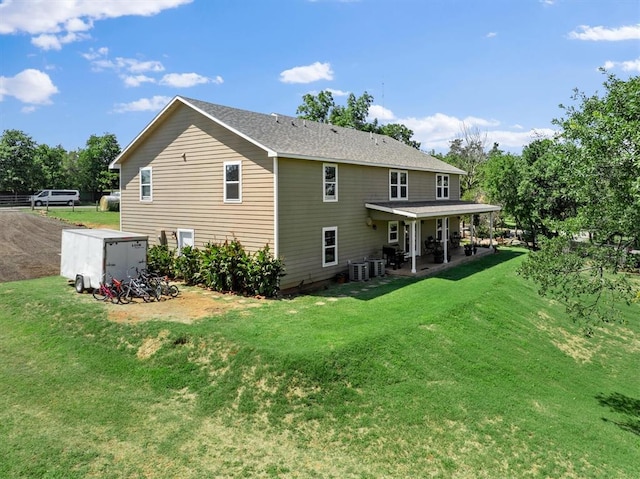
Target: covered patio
[
  {"x": 425, "y": 265},
  {"x": 414, "y": 213}
]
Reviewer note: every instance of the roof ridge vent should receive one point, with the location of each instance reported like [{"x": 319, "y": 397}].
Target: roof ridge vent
[
  {"x": 304, "y": 122},
  {"x": 276, "y": 116},
  {"x": 376, "y": 142},
  {"x": 371, "y": 135},
  {"x": 334, "y": 130}
]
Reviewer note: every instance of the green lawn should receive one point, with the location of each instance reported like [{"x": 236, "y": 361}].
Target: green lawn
[
  {"x": 468, "y": 374},
  {"x": 81, "y": 215}
]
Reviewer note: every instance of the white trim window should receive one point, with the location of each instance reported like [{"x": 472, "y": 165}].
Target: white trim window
[
  {"x": 330, "y": 182},
  {"x": 393, "y": 235},
  {"x": 398, "y": 185},
  {"x": 233, "y": 182},
  {"x": 442, "y": 187},
  {"x": 330, "y": 246},
  {"x": 146, "y": 184}
]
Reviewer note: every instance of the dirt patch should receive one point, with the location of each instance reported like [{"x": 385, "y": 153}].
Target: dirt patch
[
  {"x": 29, "y": 245},
  {"x": 573, "y": 345},
  {"x": 190, "y": 305}
]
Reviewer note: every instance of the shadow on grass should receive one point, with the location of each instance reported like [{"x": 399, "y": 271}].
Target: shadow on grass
[
  {"x": 378, "y": 287},
  {"x": 467, "y": 269},
  {"x": 624, "y": 405}
]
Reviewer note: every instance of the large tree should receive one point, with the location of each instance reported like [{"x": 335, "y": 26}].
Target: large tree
[
  {"x": 595, "y": 195},
  {"x": 18, "y": 169},
  {"x": 323, "y": 109},
  {"x": 94, "y": 161},
  {"x": 468, "y": 152},
  {"x": 51, "y": 164}
]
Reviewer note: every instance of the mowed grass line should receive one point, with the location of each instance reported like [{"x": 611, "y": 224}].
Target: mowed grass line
[
  {"x": 79, "y": 216},
  {"x": 467, "y": 374}
]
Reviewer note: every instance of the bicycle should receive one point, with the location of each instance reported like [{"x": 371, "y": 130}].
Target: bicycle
[
  {"x": 155, "y": 281},
  {"x": 105, "y": 292}
]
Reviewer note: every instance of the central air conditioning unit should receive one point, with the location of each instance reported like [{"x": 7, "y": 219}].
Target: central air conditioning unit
[
  {"x": 376, "y": 267},
  {"x": 358, "y": 272}
]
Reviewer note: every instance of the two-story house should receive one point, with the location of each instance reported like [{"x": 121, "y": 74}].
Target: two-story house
[{"x": 319, "y": 195}]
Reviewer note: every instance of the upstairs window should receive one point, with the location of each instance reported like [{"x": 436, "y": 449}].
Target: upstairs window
[
  {"x": 442, "y": 187},
  {"x": 330, "y": 182},
  {"x": 145, "y": 184},
  {"x": 398, "y": 185},
  {"x": 232, "y": 182},
  {"x": 330, "y": 246}
]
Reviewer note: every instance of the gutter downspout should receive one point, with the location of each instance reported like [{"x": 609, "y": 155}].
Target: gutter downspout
[{"x": 276, "y": 235}]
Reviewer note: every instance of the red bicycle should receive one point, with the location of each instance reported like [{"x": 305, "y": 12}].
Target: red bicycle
[{"x": 112, "y": 291}]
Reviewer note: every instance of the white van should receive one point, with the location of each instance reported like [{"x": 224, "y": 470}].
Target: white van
[{"x": 56, "y": 197}]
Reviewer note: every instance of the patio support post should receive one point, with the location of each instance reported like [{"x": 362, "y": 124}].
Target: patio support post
[
  {"x": 491, "y": 230},
  {"x": 445, "y": 237},
  {"x": 412, "y": 247}
]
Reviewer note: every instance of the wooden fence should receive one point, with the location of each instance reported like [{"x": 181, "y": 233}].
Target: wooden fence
[{"x": 14, "y": 200}]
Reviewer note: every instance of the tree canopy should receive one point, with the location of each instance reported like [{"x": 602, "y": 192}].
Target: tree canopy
[
  {"x": 26, "y": 166},
  {"x": 323, "y": 109},
  {"x": 584, "y": 189}
]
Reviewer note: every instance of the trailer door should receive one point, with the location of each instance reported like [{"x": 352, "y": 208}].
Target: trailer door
[{"x": 122, "y": 257}]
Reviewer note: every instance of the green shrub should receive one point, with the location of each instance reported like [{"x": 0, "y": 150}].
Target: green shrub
[
  {"x": 228, "y": 267},
  {"x": 188, "y": 265},
  {"x": 263, "y": 276},
  {"x": 160, "y": 260},
  {"x": 223, "y": 267}
]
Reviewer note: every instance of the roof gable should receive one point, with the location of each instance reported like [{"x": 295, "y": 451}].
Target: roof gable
[{"x": 290, "y": 137}]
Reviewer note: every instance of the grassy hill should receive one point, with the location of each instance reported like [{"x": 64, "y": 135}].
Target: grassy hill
[{"x": 467, "y": 374}]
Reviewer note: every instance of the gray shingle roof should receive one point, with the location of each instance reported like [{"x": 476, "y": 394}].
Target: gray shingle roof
[{"x": 291, "y": 137}]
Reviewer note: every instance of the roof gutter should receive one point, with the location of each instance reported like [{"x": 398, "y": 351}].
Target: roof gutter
[{"x": 453, "y": 171}]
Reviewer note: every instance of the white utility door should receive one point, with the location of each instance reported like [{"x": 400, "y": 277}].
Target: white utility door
[{"x": 185, "y": 238}]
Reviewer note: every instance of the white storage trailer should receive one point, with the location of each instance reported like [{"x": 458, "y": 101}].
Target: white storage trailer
[{"x": 89, "y": 255}]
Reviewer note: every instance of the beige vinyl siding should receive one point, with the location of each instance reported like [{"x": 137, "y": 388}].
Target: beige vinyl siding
[
  {"x": 303, "y": 214},
  {"x": 186, "y": 153}
]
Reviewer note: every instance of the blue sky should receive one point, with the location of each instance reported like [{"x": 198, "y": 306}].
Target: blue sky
[{"x": 73, "y": 68}]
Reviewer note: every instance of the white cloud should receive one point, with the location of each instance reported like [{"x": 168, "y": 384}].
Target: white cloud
[
  {"x": 137, "y": 80},
  {"x": 438, "y": 130},
  {"x": 92, "y": 54},
  {"x": 337, "y": 92},
  {"x": 381, "y": 113},
  {"x": 627, "y": 66},
  {"x": 100, "y": 61},
  {"x": 56, "y": 23},
  {"x": 491, "y": 35},
  {"x": 307, "y": 74},
  {"x": 186, "y": 80},
  {"x": 155, "y": 103},
  {"x": 599, "y": 33},
  {"x": 29, "y": 86},
  {"x": 547, "y": 2}
]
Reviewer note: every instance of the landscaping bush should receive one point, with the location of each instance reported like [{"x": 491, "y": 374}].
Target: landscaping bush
[
  {"x": 188, "y": 265},
  {"x": 223, "y": 267},
  {"x": 160, "y": 260}
]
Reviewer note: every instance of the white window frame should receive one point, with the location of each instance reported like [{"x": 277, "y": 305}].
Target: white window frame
[
  {"x": 442, "y": 189},
  {"x": 227, "y": 183},
  {"x": 329, "y": 198},
  {"x": 148, "y": 197},
  {"x": 393, "y": 236},
  {"x": 399, "y": 185},
  {"x": 325, "y": 247}
]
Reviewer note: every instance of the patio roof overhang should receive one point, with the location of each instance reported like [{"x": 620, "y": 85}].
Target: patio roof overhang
[{"x": 431, "y": 209}]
